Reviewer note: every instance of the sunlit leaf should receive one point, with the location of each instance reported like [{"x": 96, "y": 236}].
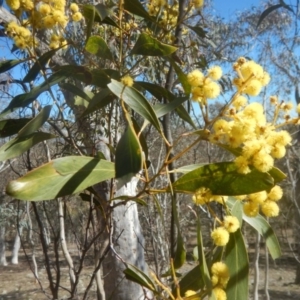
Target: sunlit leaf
[
  {"x": 223, "y": 179},
  {"x": 60, "y": 177},
  {"x": 136, "y": 101},
  {"x": 89, "y": 14},
  {"x": 236, "y": 258},
  {"x": 97, "y": 46},
  {"x": 163, "y": 109},
  {"x": 149, "y": 46},
  {"x": 134, "y": 274},
  {"x": 19, "y": 145},
  {"x": 260, "y": 224},
  {"x": 181, "y": 76},
  {"x": 10, "y": 127},
  {"x": 37, "y": 122}
]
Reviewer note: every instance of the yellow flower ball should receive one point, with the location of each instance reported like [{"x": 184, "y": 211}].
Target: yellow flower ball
[
  {"x": 231, "y": 224},
  {"x": 74, "y": 7},
  {"x": 251, "y": 209},
  {"x": 270, "y": 209},
  {"x": 242, "y": 164},
  {"x": 265, "y": 79},
  {"x": 220, "y": 236},
  {"x": 253, "y": 88},
  {"x": 259, "y": 197},
  {"x": 127, "y": 80},
  {"x": 215, "y": 72},
  {"x": 13, "y": 4},
  {"x": 197, "y": 94},
  {"x": 198, "y": 3},
  {"x": 77, "y": 16},
  {"x": 263, "y": 162},
  {"x": 195, "y": 78},
  {"x": 219, "y": 293},
  {"x": 211, "y": 90},
  {"x": 276, "y": 193},
  {"x": 239, "y": 102},
  {"x": 278, "y": 151}
]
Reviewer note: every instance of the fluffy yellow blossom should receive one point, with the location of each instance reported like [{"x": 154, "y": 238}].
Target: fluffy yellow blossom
[
  {"x": 13, "y": 4},
  {"x": 270, "y": 208},
  {"x": 127, "y": 80},
  {"x": 219, "y": 293},
  {"x": 263, "y": 162},
  {"x": 239, "y": 102},
  {"x": 221, "y": 126},
  {"x": 45, "y": 9},
  {"x": 197, "y": 94},
  {"x": 251, "y": 209},
  {"x": 253, "y": 88},
  {"x": 220, "y": 274},
  {"x": 231, "y": 223},
  {"x": 211, "y": 90},
  {"x": 197, "y": 3},
  {"x": 278, "y": 151},
  {"x": 77, "y": 16},
  {"x": 242, "y": 164},
  {"x": 220, "y": 236},
  {"x": 74, "y": 7},
  {"x": 251, "y": 68},
  {"x": 195, "y": 78},
  {"x": 259, "y": 197},
  {"x": 265, "y": 79},
  {"x": 276, "y": 193},
  {"x": 202, "y": 196},
  {"x": 215, "y": 73}
]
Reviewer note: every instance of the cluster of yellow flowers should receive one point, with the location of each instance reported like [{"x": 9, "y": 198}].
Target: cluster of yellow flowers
[
  {"x": 266, "y": 202},
  {"x": 205, "y": 87},
  {"x": 220, "y": 235},
  {"x": 220, "y": 277},
  {"x": 46, "y": 14},
  {"x": 204, "y": 195}
]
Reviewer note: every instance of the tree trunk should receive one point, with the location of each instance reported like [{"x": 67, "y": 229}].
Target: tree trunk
[
  {"x": 16, "y": 246},
  {"x": 3, "y": 261},
  {"x": 128, "y": 246}
]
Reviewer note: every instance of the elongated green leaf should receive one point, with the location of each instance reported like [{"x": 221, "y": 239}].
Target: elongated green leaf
[
  {"x": 136, "y": 101},
  {"x": 223, "y": 179},
  {"x": 97, "y": 46},
  {"x": 19, "y": 145},
  {"x": 236, "y": 258},
  {"x": 75, "y": 90},
  {"x": 100, "y": 78},
  {"x": 260, "y": 224},
  {"x": 10, "y": 127},
  {"x": 237, "y": 210},
  {"x": 267, "y": 12},
  {"x": 100, "y": 100},
  {"x": 128, "y": 156},
  {"x": 181, "y": 76},
  {"x": 156, "y": 90},
  {"x": 163, "y": 109},
  {"x": 134, "y": 274},
  {"x": 277, "y": 174},
  {"x": 149, "y": 46},
  {"x": 60, "y": 177},
  {"x": 136, "y": 8},
  {"x": 89, "y": 13},
  {"x": 9, "y": 64},
  {"x": 36, "y": 123},
  {"x": 199, "y": 31},
  {"x": 39, "y": 65},
  {"x": 202, "y": 261},
  {"x": 191, "y": 281}
]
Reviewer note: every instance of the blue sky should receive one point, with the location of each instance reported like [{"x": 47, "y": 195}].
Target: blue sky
[{"x": 226, "y": 8}]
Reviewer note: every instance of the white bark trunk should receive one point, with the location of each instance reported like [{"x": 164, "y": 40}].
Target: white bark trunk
[
  {"x": 64, "y": 243},
  {"x": 3, "y": 261},
  {"x": 128, "y": 246},
  {"x": 16, "y": 247}
]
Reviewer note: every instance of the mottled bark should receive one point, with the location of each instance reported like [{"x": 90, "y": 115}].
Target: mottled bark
[
  {"x": 3, "y": 261},
  {"x": 16, "y": 247}
]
